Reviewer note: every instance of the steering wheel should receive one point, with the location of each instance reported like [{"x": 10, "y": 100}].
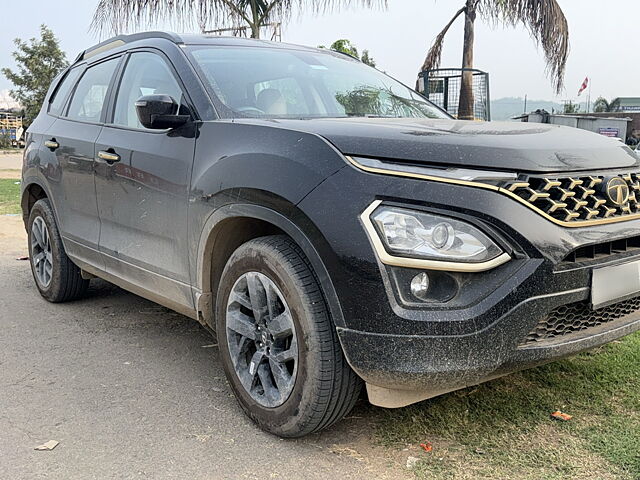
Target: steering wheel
[{"x": 250, "y": 109}]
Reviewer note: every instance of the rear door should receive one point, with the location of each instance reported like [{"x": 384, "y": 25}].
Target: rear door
[
  {"x": 71, "y": 138},
  {"x": 143, "y": 195}
]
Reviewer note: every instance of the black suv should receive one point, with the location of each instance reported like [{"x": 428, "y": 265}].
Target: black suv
[{"x": 331, "y": 225}]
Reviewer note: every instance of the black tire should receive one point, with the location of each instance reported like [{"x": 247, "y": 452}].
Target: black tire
[
  {"x": 66, "y": 282},
  {"x": 325, "y": 387}
]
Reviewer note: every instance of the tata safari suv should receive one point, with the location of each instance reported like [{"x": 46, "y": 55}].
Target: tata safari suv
[{"x": 333, "y": 227}]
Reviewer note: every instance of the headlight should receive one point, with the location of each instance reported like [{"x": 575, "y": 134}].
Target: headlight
[{"x": 422, "y": 235}]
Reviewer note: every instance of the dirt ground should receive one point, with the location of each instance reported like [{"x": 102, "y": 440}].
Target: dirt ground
[
  {"x": 131, "y": 389},
  {"x": 11, "y": 161},
  {"x": 13, "y": 238},
  {"x": 10, "y": 164}
]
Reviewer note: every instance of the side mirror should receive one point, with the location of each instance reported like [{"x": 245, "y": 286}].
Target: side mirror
[{"x": 159, "y": 112}]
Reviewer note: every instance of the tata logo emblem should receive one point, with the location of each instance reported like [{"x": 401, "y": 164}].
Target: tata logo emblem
[{"x": 616, "y": 190}]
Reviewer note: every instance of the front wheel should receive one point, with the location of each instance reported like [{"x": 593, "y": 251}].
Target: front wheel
[
  {"x": 58, "y": 279},
  {"x": 278, "y": 344}
]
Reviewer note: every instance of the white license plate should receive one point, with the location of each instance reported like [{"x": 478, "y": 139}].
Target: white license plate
[{"x": 612, "y": 284}]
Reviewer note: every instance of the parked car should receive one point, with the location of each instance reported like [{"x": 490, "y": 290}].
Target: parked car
[{"x": 330, "y": 224}]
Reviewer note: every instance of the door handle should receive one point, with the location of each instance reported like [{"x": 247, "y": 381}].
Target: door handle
[
  {"x": 109, "y": 157},
  {"x": 51, "y": 144}
]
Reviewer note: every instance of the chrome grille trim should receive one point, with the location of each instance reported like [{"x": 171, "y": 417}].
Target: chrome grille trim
[
  {"x": 574, "y": 199},
  {"x": 605, "y": 215}
]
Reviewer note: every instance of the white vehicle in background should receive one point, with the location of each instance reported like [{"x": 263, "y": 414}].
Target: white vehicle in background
[{"x": 17, "y": 141}]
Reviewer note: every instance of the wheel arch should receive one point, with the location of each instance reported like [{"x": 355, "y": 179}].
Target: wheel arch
[
  {"x": 31, "y": 193},
  {"x": 230, "y": 226}
]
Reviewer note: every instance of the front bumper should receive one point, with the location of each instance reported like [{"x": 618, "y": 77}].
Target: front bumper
[
  {"x": 433, "y": 365},
  {"x": 482, "y": 333}
]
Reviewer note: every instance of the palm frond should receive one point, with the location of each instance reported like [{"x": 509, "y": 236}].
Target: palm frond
[
  {"x": 545, "y": 21},
  {"x": 327, "y": 6},
  {"x": 117, "y": 16},
  {"x": 435, "y": 52}
]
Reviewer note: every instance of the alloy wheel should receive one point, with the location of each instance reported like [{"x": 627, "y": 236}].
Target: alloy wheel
[
  {"x": 41, "y": 256},
  {"x": 261, "y": 338}
]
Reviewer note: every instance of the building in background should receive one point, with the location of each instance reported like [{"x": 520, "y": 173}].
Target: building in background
[
  {"x": 608, "y": 124},
  {"x": 11, "y": 127},
  {"x": 627, "y": 104}
]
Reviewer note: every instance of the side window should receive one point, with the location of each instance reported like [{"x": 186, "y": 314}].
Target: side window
[
  {"x": 281, "y": 97},
  {"x": 145, "y": 74},
  {"x": 56, "y": 102},
  {"x": 90, "y": 93}
]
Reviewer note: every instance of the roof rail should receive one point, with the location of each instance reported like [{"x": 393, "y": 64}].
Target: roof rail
[
  {"x": 124, "y": 39},
  {"x": 344, "y": 53}
]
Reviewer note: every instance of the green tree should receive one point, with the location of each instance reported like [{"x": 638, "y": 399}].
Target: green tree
[
  {"x": 543, "y": 18},
  {"x": 116, "y": 16},
  {"x": 368, "y": 59},
  {"x": 38, "y": 61},
  {"x": 570, "y": 108},
  {"x": 602, "y": 105},
  {"x": 345, "y": 46}
]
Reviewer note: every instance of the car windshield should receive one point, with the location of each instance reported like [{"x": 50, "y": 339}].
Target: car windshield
[{"x": 286, "y": 83}]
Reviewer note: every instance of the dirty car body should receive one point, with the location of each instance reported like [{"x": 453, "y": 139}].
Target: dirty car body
[{"x": 447, "y": 253}]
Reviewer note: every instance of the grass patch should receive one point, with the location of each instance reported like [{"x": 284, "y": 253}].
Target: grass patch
[
  {"x": 9, "y": 196},
  {"x": 502, "y": 429}
]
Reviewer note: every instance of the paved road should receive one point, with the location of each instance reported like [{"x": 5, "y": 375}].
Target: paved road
[
  {"x": 133, "y": 390},
  {"x": 10, "y": 164}
]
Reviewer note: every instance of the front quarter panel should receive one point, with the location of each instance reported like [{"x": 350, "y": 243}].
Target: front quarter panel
[{"x": 253, "y": 164}]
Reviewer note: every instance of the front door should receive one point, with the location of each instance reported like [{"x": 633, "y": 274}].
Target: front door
[{"x": 142, "y": 185}]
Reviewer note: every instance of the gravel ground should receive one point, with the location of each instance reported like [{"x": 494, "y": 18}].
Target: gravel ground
[
  {"x": 131, "y": 389},
  {"x": 10, "y": 161}
]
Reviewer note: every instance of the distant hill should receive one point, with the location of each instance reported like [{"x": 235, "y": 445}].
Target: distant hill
[{"x": 509, "y": 107}]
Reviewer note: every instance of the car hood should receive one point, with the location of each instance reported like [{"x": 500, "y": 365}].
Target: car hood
[{"x": 509, "y": 146}]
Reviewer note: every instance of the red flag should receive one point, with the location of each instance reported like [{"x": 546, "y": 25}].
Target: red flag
[{"x": 584, "y": 86}]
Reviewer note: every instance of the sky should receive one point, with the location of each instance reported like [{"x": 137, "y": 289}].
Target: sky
[{"x": 603, "y": 36}]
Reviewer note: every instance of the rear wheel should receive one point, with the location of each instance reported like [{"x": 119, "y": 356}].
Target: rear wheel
[
  {"x": 58, "y": 279},
  {"x": 278, "y": 345}
]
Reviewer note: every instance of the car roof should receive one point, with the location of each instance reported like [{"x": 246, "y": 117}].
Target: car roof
[{"x": 182, "y": 39}]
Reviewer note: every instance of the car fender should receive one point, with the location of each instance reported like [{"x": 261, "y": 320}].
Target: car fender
[
  {"x": 204, "y": 299},
  {"x": 26, "y": 184}
]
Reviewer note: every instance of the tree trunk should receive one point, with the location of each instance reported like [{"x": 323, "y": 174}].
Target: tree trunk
[
  {"x": 255, "y": 24},
  {"x": 466, "y": 103}
]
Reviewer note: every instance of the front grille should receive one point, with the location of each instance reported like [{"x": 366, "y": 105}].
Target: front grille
[
  {"x": 580, "y": 198},
  {"x": 603, "y": 250},
  {"x": 579, "y": 316}
]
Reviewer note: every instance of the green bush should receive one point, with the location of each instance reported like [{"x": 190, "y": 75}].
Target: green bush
[{"x": 5, "y": 140}]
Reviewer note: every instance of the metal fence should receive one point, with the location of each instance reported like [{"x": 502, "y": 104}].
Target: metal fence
[{"x": 442, "y": 87}]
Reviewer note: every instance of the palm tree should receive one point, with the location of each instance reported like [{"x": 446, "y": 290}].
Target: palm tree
[
  {"x": 543, "y": 18},
  {"x": 116, "y": 16},
  {"x": 602, "y": 105}
]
